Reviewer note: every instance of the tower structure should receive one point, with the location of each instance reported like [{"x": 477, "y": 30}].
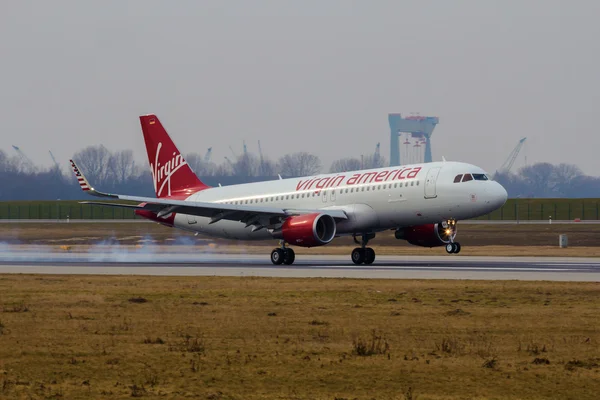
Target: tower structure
[{"x": 418, "y": 126}]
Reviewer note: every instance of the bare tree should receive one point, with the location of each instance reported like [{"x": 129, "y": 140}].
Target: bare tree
[
  {"x": 224, "y": 169},
  {"x": 122, "y": 166},
  {"x": 372, "y": 161},
  {"x": 4, "y": 161},
  {"x": 345, "y": 165},
  {"x": 565, "y": 175},
  {"x": 199, "y": 165},
  {"x": 246, "y": 165},
  {"x": 540, "y": 178},
  {"x": 299, "y": 164},
  {"x": 94, "y": 161},
  {"x": 267, "y": 167}
]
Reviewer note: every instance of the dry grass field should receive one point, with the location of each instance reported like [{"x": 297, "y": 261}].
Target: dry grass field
[{"x": 72, "y": 337}]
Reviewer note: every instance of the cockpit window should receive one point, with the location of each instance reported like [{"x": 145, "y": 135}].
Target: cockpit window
[
  {"x": 457, "y": 178},
  {"x": 480, "y": 177},
  {"x": 467, "y": 178}
]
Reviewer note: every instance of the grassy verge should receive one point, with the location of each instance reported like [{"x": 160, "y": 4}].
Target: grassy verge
[
  {"x": 255, "y": 338},
  {"x": 544, "y": 235},
  {"x": 522, "y": 209},
  {"x": 62, "y": 210}
]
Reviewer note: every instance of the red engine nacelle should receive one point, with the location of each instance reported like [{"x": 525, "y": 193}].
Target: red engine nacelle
[
  {"x": 428, "y": 235},
  {"x": 308, "y": 230}
]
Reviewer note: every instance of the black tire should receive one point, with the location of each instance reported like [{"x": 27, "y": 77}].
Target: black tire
[
  {"x": 277, "y": 256},
  {"x": 369, "y": 256},
  {"x": 289, "y": 256},
  {"x": 358, "y": 256},
  {"x": 450, "y": 248},
  {"x": 457, "y": 250}
]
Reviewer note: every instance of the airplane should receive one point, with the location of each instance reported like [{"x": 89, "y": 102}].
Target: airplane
[{"x": 421, "y": 203}]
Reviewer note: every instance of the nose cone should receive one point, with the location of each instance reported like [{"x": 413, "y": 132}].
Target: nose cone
[{"x": 497, "y": 195}]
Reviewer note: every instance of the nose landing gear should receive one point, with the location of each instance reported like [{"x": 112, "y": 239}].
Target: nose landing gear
[
  {"x": 453, "y": 248},
  {"x": 363, "y": 254},
  {"x": 449, "y": 233}
]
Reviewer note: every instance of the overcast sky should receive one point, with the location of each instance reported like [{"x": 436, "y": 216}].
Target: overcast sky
[{"x": 317, "y": 76}]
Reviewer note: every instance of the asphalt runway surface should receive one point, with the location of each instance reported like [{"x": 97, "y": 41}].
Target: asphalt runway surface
[{"x": 39, "y": 261}]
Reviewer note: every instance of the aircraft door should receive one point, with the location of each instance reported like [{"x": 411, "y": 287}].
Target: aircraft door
[
  {"x": 332, "y": 197},
  {"x": 430, "y": 182},
  {"x": 324, "y": 194}
]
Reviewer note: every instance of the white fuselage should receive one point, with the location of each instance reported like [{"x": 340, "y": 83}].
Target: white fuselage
[{"x": 375, "y": 200}]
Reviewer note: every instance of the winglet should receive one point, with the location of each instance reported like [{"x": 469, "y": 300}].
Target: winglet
[{"x": 85, "y": 185}]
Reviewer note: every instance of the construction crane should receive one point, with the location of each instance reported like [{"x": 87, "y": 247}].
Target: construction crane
[
  {"x": 229, "y": 161},
  {"x": 54, "y": 159},
  {"x": 260, "y": 151},
  {"x": 505, "y": 168},
  {"x": 26, "y": 160},
  {"x": 419, "y": 127},
  {"x": 208, "y": 155},
  {"x": 245, "y": 148},
  {"x": 261, "y": 169}
]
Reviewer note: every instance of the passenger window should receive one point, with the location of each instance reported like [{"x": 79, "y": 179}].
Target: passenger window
[
  {"x": 417, "y": 183},
  {"x": 412, "y": 183},
  {"x": 457, "y": 178},
  {"x": 395, "y": 185},
  {"x": 467, "y": 178}
]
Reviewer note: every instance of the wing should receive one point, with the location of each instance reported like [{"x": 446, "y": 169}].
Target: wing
[{"x": 258, "y": 217}]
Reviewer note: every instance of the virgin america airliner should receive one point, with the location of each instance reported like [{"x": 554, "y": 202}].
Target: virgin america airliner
[{"x": 420, "y": 202}]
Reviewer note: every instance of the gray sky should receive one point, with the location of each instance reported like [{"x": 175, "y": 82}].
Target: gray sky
[{"x": 318, "y": 76}]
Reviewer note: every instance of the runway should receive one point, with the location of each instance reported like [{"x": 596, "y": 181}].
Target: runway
[{"x": 385, "y": 267}]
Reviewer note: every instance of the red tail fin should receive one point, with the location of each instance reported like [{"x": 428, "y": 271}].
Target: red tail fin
[{"x": 171, "y": 174}]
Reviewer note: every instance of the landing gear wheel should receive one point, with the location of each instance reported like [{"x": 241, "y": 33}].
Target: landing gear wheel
[
  {"x": 450, "y": 248},
  {"x": 457, "y": 249},
  {"x": 358, "y": 256},
  {"x": 369, "y": 255},
  {"x": 277, "y": 256},
  {"x": 453, "y": 248},
  {"x": 289, "y": 256}
]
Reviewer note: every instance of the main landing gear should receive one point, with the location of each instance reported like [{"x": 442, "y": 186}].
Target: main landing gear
[
  {"x": 283, "y": 255},
  {"x": 453, "y": 248},
  {"x": 363, "y": 254}
]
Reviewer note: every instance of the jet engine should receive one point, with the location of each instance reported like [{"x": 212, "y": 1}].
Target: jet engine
[
  {"x": 308, "y": 230},
  {"x": 428, "y": 235}
]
